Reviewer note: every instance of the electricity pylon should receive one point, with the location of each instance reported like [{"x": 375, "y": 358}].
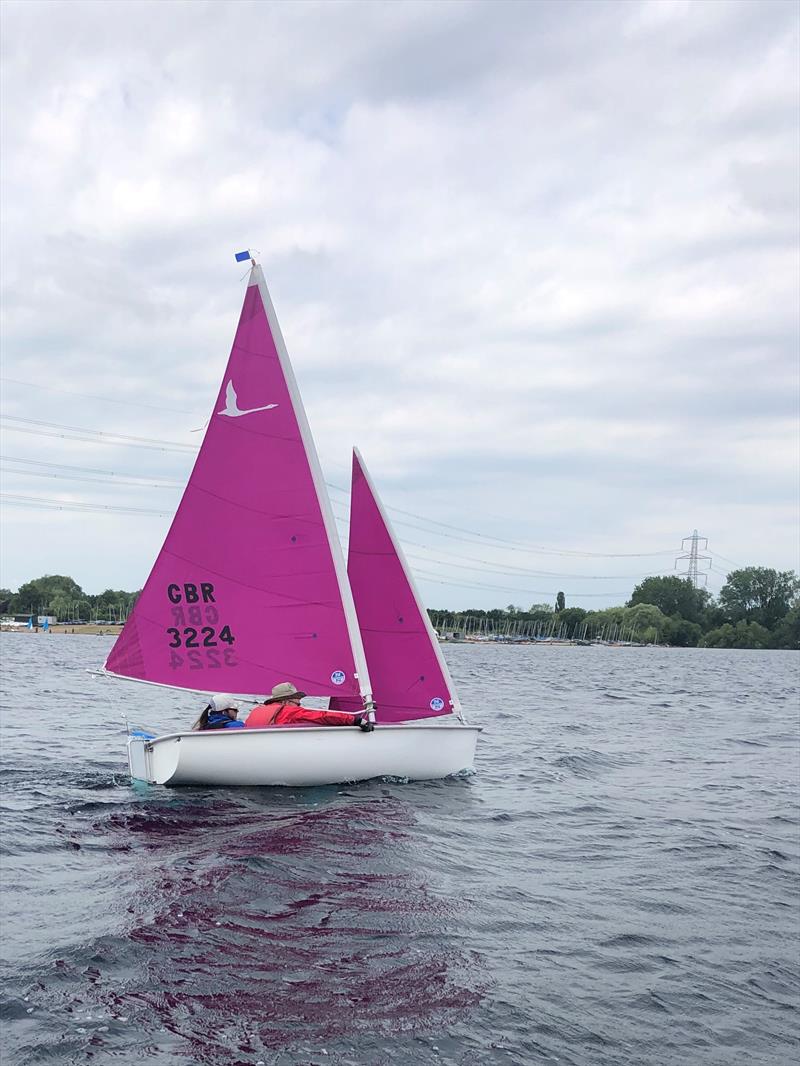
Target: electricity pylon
[{"x": 693, "y": 558}]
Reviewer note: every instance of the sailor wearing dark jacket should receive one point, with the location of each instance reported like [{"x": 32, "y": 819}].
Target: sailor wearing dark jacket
[{"x": 220, "y": 713}]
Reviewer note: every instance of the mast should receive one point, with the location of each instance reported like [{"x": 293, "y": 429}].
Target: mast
[{"x": 356, "y": 643}]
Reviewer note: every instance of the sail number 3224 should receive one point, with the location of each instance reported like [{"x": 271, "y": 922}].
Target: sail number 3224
[
  {"x": 205, "y": 637},
  {"x": 205, "y": 646}
]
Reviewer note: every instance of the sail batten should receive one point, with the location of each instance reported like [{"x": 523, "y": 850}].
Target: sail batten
[
  {"x": 409, "y": 675},
  {"x": 250, "y": 587}
]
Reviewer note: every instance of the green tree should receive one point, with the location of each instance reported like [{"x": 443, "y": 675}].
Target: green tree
[
  {"x": 759, "y": 594},
  {"x": 561, "y": 602},
  {"x": 742, "y": 635},
  {"x": 540, "y": 612},
  {"x": 6, "y": 596},
  {"x": 644, "y": 622},
  {"x": 609, "y": 616},
  {"x": 787, "y": 632},
  {"x": 572, "y": 617},
  {"x": 647, "y": 621},
  {"x": 40, "y": 593},
  {"x": 680, "y": 633},
  {"x": 644, "y": 615},
  {"x": 672, "y": 595}
]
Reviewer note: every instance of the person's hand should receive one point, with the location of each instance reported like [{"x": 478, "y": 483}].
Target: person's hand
[{"x": 363, "y": 723}]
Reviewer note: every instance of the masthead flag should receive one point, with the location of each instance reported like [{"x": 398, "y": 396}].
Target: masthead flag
[{"x": 241, "y": 256}]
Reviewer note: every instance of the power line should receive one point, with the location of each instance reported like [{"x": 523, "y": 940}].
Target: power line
[
  {"x": 82, "y": 469},
  {"x": 510, "y": 571},
  {"x": 516, "y": 571},
  {"x": 109, "y": 478},
  {"x": 461, "y": 561},
  {"x": 80, "y": 507},
  {"x": 508, "y": 545},
  {"x": 182, "y": 449},
  {"x": 98, "y": 432},
  {"x": 482, "y": 538},
  {"x": 102, "y": 399},
  {"x": 100, "y": 436},
  {"x": 69, "y": 505},
  {"x": 93, "y": 480},
  {"x": 729, "y": 561},
  {"x": 511, "y": 544},
  {"x": 517, "y": 591}
]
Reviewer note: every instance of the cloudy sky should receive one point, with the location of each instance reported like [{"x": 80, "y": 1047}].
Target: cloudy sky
[{"x": 538, "y": 260}]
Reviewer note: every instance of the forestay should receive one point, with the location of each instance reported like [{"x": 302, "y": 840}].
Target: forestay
[{"x": 250, "y": 587}]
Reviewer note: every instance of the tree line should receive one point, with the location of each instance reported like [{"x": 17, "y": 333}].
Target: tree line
[
  {"x": 757, "y": 608},
  {"x": 61, "y": 597}
]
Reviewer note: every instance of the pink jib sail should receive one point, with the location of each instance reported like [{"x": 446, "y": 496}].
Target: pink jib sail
[
  {"x": 408, "y": 673},
  {"x": 249, "y": 588}
]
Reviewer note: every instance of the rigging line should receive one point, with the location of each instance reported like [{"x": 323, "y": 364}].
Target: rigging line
[
  {"x": 103, "y": 399},
  {"x": 93, "y": 440},
  {"x": 91, "y": 480},
  {"x": 98, "y": 432},
  {"x": 81, "y": 469},
  {"x": 68, "y": 505}
]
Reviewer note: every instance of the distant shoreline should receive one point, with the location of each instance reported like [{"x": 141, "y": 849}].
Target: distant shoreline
[
  {"x": 115, "y": 630},
  {"x": 92, "y": 630}
]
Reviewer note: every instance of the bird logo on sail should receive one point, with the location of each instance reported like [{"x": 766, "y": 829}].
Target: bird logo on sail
[{"x": 232, "y": 409}]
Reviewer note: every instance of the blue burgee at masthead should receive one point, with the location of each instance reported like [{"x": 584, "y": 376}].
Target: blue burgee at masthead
[{"x": 241, "y": 256}]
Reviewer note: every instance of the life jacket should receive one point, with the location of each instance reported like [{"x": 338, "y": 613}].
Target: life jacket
[
  {"x": 220, "y": 720},
  {"x": 267, "y": 714}
]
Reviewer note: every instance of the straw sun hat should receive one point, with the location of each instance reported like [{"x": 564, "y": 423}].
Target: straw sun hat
[{"x": 284, "y": 691}]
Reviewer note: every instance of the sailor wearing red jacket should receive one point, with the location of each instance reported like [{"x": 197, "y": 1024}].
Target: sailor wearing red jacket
[{"x": 283, "y": 708}]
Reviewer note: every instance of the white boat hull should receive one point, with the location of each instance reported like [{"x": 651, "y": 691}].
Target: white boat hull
[{"x": 303, "y": 755}]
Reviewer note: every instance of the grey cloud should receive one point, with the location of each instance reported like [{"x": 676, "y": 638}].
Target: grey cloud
[{"x": 532, "y": 253}]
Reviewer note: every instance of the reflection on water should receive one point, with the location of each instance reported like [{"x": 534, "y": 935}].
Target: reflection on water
[{"x": 331, "y": 931}]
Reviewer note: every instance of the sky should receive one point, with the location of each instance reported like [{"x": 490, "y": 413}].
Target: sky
[{"x": 539, "y": 261}]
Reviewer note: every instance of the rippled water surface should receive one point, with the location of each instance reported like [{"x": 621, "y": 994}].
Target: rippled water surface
[{"x": 618, "y": 883}]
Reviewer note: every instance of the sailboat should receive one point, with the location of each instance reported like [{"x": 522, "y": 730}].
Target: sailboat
[{"x": 250, "y": 589}]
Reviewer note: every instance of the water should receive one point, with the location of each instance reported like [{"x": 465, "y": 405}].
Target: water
[{"x": 618, "y": 883}]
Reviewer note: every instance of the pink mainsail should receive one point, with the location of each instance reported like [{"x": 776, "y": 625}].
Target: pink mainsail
[
  {"x": 409, "y": 677},
  {"x": 249, "y": 588}
]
